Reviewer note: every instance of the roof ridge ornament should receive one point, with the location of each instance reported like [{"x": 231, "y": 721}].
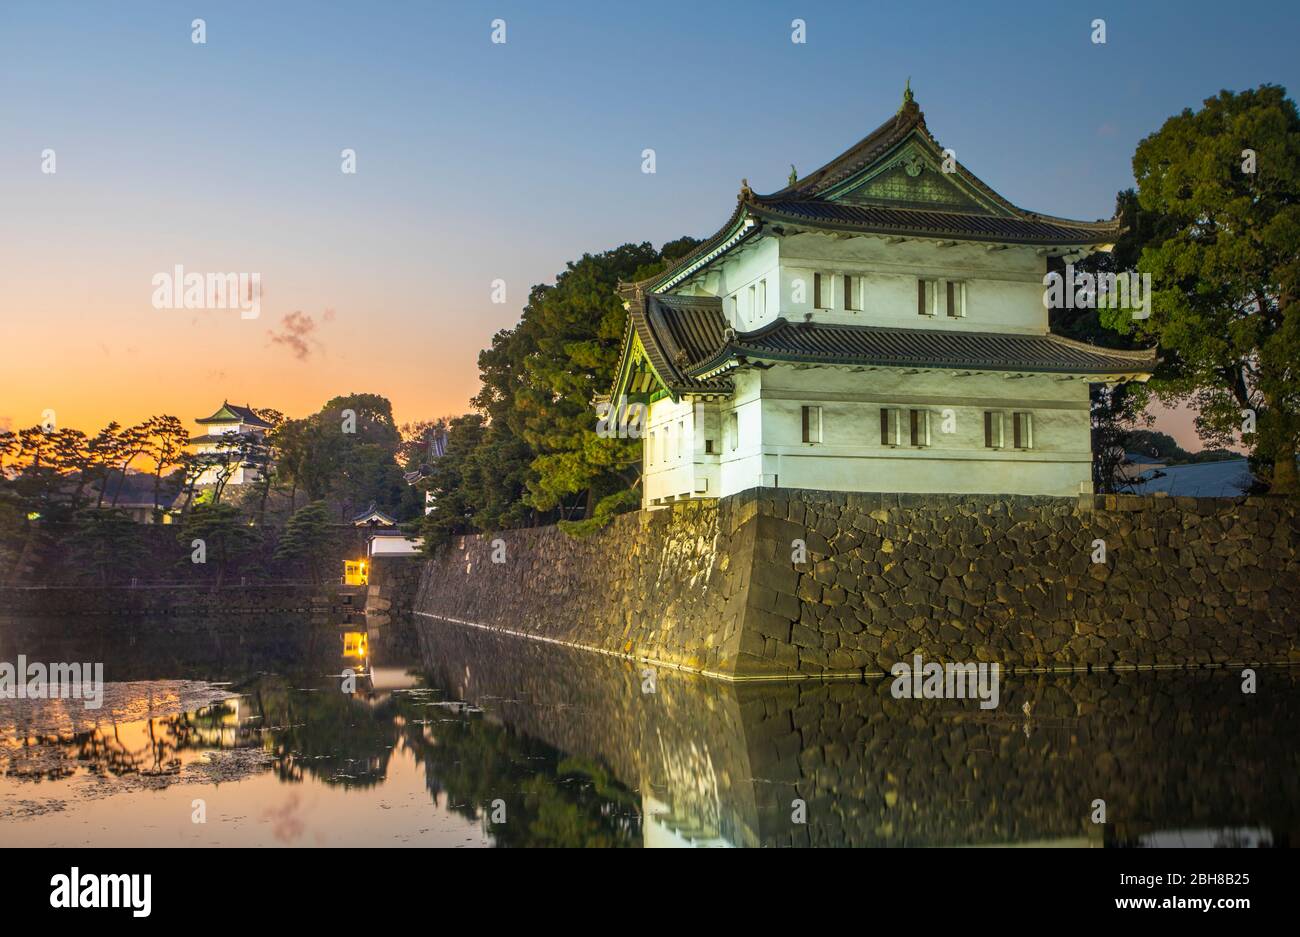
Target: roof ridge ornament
[
  {"x": 746, "y": 193},
  {"x": 909, "y": 109}
]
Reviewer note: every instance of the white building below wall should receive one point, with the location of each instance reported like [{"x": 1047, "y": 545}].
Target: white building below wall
[{"x": 876, "y": 326}]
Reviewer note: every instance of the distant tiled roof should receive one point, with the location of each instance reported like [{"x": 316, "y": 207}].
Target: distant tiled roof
[
  {"x": 230, "y": 413},
  {"x": 231, "y": 438},
  {"x": 372, "y": 514}
]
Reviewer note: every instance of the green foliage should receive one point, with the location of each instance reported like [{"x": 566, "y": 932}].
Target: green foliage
[
  {"x": 306, "y": 536},
  {"x": 455, "y": 480},
  {"x": 1222, "y": 246},
  {"x": 225, "y": 532},
  {"x": 107, "y": 542},
  {"x": 536, "y": 458},
  {"x": 605, "y": 511},
  {"x": 346, "y": 453}
]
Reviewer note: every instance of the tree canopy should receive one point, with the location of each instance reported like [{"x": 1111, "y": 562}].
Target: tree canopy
[{"x": 1219, "y": 232}]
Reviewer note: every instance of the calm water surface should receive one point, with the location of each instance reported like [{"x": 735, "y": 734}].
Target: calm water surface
[{"x": 478, "y": 740}]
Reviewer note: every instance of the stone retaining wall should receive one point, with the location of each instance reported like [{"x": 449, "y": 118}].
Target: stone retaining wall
[{"x": 782, "y": 583}]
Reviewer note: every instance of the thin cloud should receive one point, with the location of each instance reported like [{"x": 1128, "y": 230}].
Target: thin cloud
[{"x": 295, "y": 333}]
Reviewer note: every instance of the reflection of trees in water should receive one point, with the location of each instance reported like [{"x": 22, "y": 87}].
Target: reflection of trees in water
[
  {"x": 348, "y": 741},
  {"x": 550, "y": 799},
  {"x": 331, "y": 736},
  {"x": 146, "y": 748}
]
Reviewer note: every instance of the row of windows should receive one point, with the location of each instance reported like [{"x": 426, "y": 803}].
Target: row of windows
[
  {"x": 750, "y": 303},
  {"x": 659, "y": 447},
  {"x": 897, "y": 425},
  {"x": 933, "y": 297},
  {"x": 941, "y": 297}
]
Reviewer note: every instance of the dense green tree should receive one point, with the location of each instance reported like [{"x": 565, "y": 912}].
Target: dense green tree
[
  {"x": 539, "y": 459},
  {"x": 107, "y": 543},
  {"x": 225, "y": 532},
  {"x": 305, "y": 537},
  {"x": 1222, "y": 244},
  {"x": 454, "y": 483}
]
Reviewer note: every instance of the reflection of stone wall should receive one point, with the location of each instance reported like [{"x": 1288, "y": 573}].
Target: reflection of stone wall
[
  {"x": 682, "y": 744},
  {"x": 1166, "y": 751},
  {"x": 711, "y": 585},
  {"x": 390, "y": 594},
  {"x": 154, "y": 600}
]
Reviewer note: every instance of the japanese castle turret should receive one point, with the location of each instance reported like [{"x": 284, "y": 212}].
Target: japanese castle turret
[
  {"x": 220, "y": 436},
  {"x": 878, "y": 325}
]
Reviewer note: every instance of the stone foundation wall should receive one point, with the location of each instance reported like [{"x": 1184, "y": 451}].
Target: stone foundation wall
[{"x": 783, "y": 583}]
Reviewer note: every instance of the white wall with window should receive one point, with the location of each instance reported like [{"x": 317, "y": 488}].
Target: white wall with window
[{"x": 884, "y": 430}]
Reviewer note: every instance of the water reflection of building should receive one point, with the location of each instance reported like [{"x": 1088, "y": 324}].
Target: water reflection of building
[{"x": 727, "y": 764}]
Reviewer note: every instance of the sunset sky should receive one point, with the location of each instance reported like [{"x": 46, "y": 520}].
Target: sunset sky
[{"x": 478, "y": 161}]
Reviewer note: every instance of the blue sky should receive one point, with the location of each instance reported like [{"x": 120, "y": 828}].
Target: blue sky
[{"x": 479, "y": 161}]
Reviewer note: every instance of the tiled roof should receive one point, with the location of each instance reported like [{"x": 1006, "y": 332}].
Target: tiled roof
[
  {"x": 690, "y": 345},
  {"x": 677, "y": 333},
  {"x": 928, "y": 348},
  {"x": 372, "y": 513},
  {"x": 831, "y": 198},
  {"x": 229, "y": 413},
  {"x": 1025, "y": 228}
]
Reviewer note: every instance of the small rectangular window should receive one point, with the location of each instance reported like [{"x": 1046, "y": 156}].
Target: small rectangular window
[
  {"x": 890, "y": 427},
  {"x": 925, "y": 293},
  {"x": 1022, "y": 430},
  {"x": 650, "y": 448},
  {"x": 956, "y": 304},
  {"x": 992, "y": 429},
  {"x": 817, "y": 291},
  {"x": 920, "y": 427},
  {"x": 762, "y": 299},
  {"x": 708, "y": 447},
  {"x": 681, "y": 439},
  {"x": 850, "y": 294},
  {"x": 812, "y": 424},
  {"x": 752, "y": 305},
  {"x": 733, "y": 430}
]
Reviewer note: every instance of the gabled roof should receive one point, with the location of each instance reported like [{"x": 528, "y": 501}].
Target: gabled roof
[
  {"x": 230, "y": 413},
  {"x": 372, "y": 515},
  {"x": 895, "y": 181}
]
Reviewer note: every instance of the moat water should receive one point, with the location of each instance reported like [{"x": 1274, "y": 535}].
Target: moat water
[{"x": 220, "y": 733}]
